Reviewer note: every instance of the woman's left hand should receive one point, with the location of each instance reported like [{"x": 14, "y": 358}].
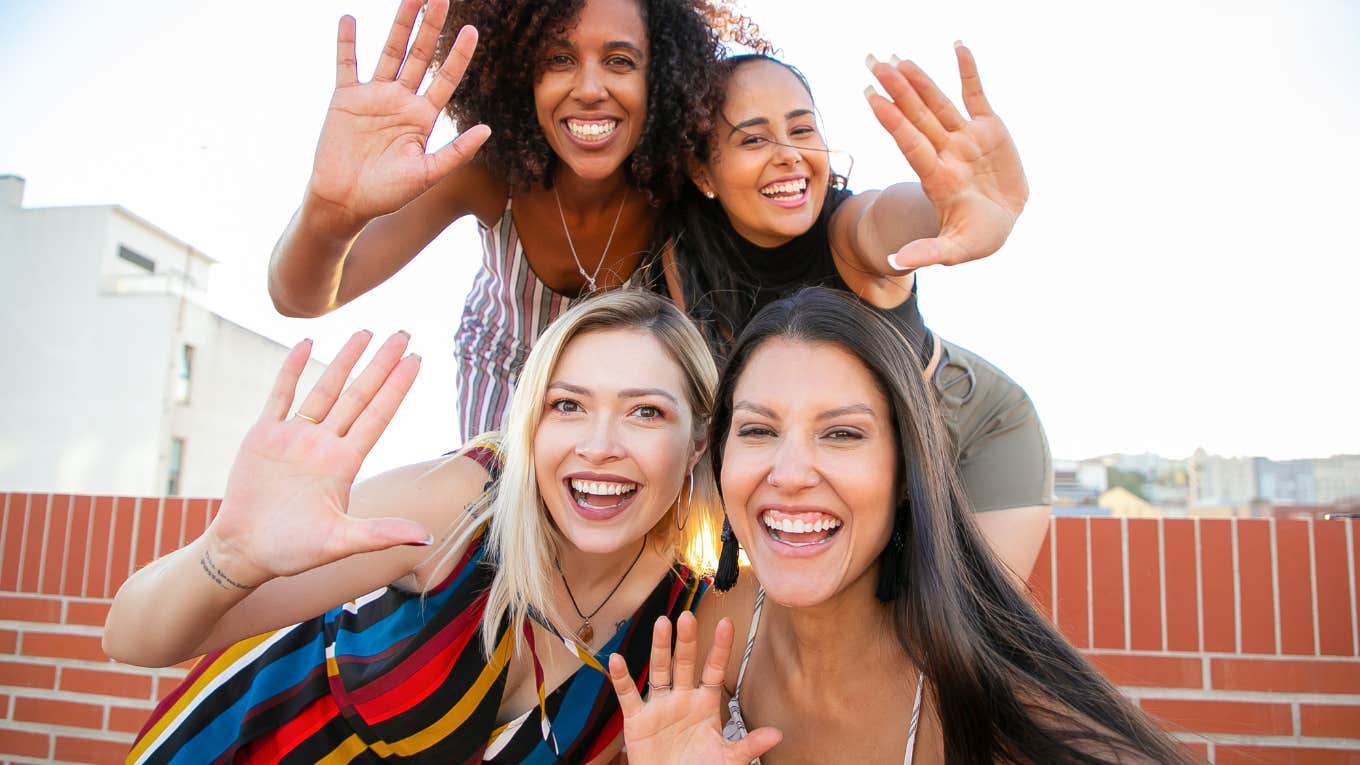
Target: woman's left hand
[
  {"x": 969, "y": 169},
  {"x": 680, "y": 722}
]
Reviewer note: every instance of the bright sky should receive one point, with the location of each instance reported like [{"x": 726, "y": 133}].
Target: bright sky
[{"x": 1184, "y": 275}]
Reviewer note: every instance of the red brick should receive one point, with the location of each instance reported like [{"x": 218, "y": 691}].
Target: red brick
[
  {"x": 59, "y": 514},
  {"x": 1220, "y": 603},
  {"x": 90, "y": 613},
  {"x": 9, "y": 641},
  {"x": 1145, "y": 585},
  {"x": 1150, "y": 671},
  {"x": 58, "y": 712},
  {"x": 63, "y": 646},
  {"x": 1073, "y": 590},
  {"x": 30, "y": 568},
  {"x": 148, "y": 516},
  {"x": 1333, "y": 588},
  {"x": 1285, "y": 675},
  {"x": 101, "y": 524},
  {"x": 106, "y": 683},
  {"x": 28, "y": 675},
  {"x": 74, "y": 749},
  {"x": 26, "y": 743},
  {"x": 78, "y": 550},
  {"x": 1330, "y": 720},
  {"x": 1198, "y": 752},
  {"x": 172, "y": 526},
  {"x": 1041, "y": 578},
  {"x": 30, "y": 609},
  {"x": 127, "y": 719},
  {"x": 1107, "y": 583},
  {"x": 164, "y": 685},
  {"x": 120, "y": 551},
  {"x": 16, "y": 512},
  {"x": 1182, "y": 572},
  {"x": 195, "y": 519},
  {"x": 1283, "y": 755},
  {"x": 1296, "y": 587},
  {"x": 1201, "y": 716},
  {"x": 1256, "y": 577}
]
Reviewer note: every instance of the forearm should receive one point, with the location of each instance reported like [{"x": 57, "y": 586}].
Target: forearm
[
  {"x": 163, "y": 613},
  {"x": 308, "y": 263},
  {"x": 892, "y": 218}
]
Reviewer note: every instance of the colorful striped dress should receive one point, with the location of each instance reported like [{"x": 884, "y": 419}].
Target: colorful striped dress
[{"x": 396, "y": 677}]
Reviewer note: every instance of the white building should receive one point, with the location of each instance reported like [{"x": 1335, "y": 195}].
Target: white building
[{"x": 118, "y": 380}]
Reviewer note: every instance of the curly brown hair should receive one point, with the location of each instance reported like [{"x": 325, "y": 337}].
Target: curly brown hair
[{"x": 498, "y": 88}]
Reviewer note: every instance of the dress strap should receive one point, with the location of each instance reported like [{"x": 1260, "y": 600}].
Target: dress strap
[
  {"x": 915, "y": 719},
  {"x": 750, "y": 640}
]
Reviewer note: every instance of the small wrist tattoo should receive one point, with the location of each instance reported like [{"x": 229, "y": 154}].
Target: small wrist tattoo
[{"x": 219, "y": 576}]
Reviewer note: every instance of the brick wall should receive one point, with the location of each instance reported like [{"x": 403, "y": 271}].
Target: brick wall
[{"x": 1241, "y": 634}]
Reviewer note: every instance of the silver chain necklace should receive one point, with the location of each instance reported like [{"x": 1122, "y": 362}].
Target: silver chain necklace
[{"x": 590, "y": 278}]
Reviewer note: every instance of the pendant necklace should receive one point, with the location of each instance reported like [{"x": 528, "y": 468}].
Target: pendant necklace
[
  {"x": 590, "y": 278},
  {"x": 586, "y": 633}
]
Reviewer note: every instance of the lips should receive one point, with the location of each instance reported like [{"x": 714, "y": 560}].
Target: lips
[
  {"x": 593, "y": 132},
  {"x": 790, "y": 191},
  {"x": 799, "y": 529},
  {"x": 600, "y": 497}
]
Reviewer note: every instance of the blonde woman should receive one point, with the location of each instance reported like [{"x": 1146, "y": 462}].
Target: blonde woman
[{"x": 554, "y": 545}]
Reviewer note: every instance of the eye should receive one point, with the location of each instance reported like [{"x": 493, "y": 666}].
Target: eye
[
  {"x": 649, "y": 412},
  {"x": 844, "y": 434},
  {"x": 558, "y": 61},
  {"x": 753, "y": 140},
  {"x": 620, "y": 62},
  {"x": 803, "y": 132},
  {"x": 754, "y": 431},
  {"x": 565, "y": 406}
]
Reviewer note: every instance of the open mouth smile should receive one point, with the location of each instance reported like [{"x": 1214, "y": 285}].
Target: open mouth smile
[
  {"x": 800, "y": 528},
  {"x": 590, "y": 131},
  {"x": 600, "y": 500}
]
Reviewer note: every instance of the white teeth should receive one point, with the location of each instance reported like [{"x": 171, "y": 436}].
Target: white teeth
[
  {"x": 785, "y": 188},
  {"x": 601, "y": 488},
  {"x": 800, "y": 526},
  {"x": 591, "y": 131}
]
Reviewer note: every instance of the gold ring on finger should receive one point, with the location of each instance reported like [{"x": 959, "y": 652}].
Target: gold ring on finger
[
  {"x": 302, "y": 416},
  {"x": 658, "y": 687}
]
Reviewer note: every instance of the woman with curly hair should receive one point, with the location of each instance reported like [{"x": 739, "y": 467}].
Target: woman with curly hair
[{"x": 592, "y": 108}]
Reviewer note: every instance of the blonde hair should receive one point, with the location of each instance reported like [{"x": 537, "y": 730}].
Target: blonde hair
[{"x": 520, "y": 538}]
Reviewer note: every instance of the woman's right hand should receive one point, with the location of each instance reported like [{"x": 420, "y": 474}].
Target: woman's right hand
[
  {"x": 284, "y": 508},
  {"x": 371, "y": 157},
  {"x": 680, "y": 722}
]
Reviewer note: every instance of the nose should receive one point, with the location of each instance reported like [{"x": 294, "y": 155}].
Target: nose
[
  {"x": 794, "y": 468},
  {"x": 599, "y": 443},
  {"x": 589, "y": 87},
  {"x": 787, "y": 155}
]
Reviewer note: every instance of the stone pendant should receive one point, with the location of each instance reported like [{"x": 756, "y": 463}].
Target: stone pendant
[{"x": 585, "y": 633}]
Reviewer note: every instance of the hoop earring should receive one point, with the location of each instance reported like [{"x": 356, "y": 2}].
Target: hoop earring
[
  {"x": 689, "y": 505},
  {"x": 726, "y": 575}
]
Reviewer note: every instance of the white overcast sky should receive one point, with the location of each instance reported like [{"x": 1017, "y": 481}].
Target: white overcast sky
[{"x": 1185, "y": 274}]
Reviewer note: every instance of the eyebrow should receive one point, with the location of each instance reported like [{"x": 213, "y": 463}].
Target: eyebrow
[
  {"x": 626, "y": 393},
  {"x": 612, "y": 44},
  {"x": 741, "y": 126},
  {"x": 830, "y": 414}
]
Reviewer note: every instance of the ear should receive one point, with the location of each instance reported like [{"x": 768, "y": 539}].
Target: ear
[
  {"x": 700, "y": 449},
  {"x": 698, "y": 175}
]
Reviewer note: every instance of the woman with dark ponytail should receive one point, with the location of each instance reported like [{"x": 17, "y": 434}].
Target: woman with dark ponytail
[{"x": 879, "y": 622}]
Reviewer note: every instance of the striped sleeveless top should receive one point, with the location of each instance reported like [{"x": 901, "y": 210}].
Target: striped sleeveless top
[
  {"x": 393, "y": 676},
  {"x": 503, "y": 316}
]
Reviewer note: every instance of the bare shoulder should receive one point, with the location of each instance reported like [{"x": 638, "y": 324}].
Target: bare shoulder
[
  {"x": 472, "y": 188},
  {"x": 736, "y": 604}
]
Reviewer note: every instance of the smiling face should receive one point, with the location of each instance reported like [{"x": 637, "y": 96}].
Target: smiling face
[
  {"x": 768, "y": 164},
  {"x": 591, "y": 92},
  {"x": 615, "y": 441},
  {"x": 808, "y": 470}
]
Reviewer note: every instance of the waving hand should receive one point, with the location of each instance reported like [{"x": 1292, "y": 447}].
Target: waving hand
[
  {"x": 680, "y": 721},
  {"x": 969, "y": 168},
  {"x": 371, "y": 157}
]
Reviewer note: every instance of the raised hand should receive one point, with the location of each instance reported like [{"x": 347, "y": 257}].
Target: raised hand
[
  {"x": 969, "y": 169},
  {"x": 680, "y": 722},
  {"x": 371, "y": 157},
  {"x": 284, "y": 508}
]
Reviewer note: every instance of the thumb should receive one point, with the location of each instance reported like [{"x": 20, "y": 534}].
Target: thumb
[
  {"x": 917, "y": 253},
  {"x": 459, "y": 151},
  {"x": 757, "y": 743},
  {"x": 363, "y": 535}
]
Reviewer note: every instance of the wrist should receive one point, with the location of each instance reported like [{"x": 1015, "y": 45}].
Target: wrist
[
  {"x": 222, "y": 563},
  {"x": 325, "y": 220}
]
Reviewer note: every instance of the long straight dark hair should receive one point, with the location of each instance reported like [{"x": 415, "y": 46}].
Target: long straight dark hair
[{"x": 1008, "y": 687}]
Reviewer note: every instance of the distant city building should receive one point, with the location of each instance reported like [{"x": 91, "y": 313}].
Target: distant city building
[
  {"x": 1122, "y": 503},
  {"x": 119, "y": 380},
  {"x": 1078, "y": 482},
  {"x": 1337, "y": 478},
  {"x": 1221, "y": 480}
]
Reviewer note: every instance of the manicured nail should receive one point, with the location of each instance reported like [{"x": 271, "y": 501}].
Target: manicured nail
[
  {"x": 894, "y": 60},
  {"x": 870, "y": 92},
  {"x": 871, "y": 62},
  {"x": 367, "y": 332},
  {"x": 893, "y": 264},
  {"x": 426, "y": 542},
  {"x": 416, "y": 356},
  {"x": 404, "y": 332},
  {"x": 958, "y": 44}
]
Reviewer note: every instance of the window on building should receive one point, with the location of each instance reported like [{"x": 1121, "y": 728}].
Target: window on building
[
  {"x": 184, "y": 373},
  {"x": 137, "y": 259},
  {"x": 176, "y": 472}
]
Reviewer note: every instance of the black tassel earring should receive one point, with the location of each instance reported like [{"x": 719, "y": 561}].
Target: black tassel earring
[
  {"x": 890, "y": 574},
  {"x": 726, "y": 575}
]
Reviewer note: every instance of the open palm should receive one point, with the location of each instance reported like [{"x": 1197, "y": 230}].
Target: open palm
[
  {"x": 680, "y": 722},
  {"x": 969, "y": 168},
  {"x": 371, "y": 157},
  {"x": 284, "y": 508}
]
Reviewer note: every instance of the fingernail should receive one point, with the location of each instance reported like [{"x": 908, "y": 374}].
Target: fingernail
[
  {"x": 416, "y": 356},
  {"x": 404, "y": 332},
  {"x": 368, "y": 332},
  {"x": 893, "y": 264},
  {"x": 869, "y": 91},
  {"x": 871, "y": 62},
  {"x": 426, "y": 542},
  {"x": 306, "y": 341},
  {"x": 958, "y": 43},
  {"x": 894, "y": 60}
]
